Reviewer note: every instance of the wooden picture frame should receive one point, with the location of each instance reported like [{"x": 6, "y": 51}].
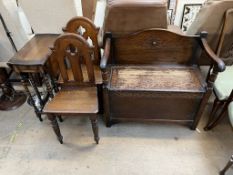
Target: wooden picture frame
[{"x": 189, "y": 13}]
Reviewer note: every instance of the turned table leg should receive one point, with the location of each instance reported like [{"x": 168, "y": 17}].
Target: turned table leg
[
  {"x": 229, "y": 164},
  {"x": 24, "y": 83},
  {"x": 95, "y": 129},
  {"x": 55, "y": 126},
  {"x": 216, "y": 106},
  {"x": 33, "y": 84}
]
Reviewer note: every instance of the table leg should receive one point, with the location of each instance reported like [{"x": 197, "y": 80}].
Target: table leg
[
  {"x": 24, "y": 82},
  {"x": 55, "y": 87},
  {"x": 94, "y": 124},
  {"x": 48, "y": 87},
  {"x": 32, "y": 82}
]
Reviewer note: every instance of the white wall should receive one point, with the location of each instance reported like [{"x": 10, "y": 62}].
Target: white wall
[
  {"x": 9, "y": 11},
  {"x": 100, "y": 13},
  {"x": 48, "y": 16}
]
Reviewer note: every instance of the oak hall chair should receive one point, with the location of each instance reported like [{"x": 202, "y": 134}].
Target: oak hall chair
[
  {"x": 87, "y": 29},
  {"x": 78, "y": 92}
]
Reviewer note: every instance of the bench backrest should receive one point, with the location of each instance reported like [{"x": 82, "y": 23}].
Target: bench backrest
[{"x": 155, "y": 46}]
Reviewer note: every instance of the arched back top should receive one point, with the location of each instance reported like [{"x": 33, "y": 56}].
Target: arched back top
[
  {"x": 155, "y": 46},
  {"x": 85, "y": 27},
  {"x": 73, "y": 55},
  {"x": 128, "y": 16}
]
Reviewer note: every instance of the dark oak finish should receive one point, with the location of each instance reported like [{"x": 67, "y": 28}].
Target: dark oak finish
[
  {"x": 154, "y": 75},
  {"x": 34, "y": 54},
  {"x": 78, "y": 94},
  {"x": 31, "y": 60},
  {"x": 86, "y": 28}
]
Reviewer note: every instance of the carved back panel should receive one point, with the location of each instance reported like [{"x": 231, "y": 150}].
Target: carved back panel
[
  {"x": 155, "y": 46},
  {"x": 85, "y": 27},
  {"x": 72, "y": 53}
]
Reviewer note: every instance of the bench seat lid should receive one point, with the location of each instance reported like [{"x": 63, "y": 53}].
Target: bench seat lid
[{"x": 157, "y": 78}]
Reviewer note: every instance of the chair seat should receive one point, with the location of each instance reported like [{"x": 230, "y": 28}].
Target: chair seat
[
  {"x": 74, "y": 101},
  {"x": 224, "y": 84},
  {"x": 230, "y": 112},
  {"x": 97, "y": 72},
  {"x": 157, "y": 78}
]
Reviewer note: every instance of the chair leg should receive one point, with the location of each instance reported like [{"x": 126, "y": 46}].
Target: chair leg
[
  {"x": 216, "y": 106},
  {"x": 56, "y": 128},
  {"x": 94, "y": 124},
  {"x": 218, "y": 118},
  {"x": 229, "y": 164}
]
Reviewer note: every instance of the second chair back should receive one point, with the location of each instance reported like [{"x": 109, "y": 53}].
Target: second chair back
[{"x": 85, "y": 27}]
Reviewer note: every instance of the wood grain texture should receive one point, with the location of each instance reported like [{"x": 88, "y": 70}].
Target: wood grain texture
[
  {"x": 157, "y": 78},
  {"x": 78, "y": 93},
  {"x": 35, "y": 52},
  {"x": 154, "y": 75},
  {"x": 71, "y": 52},
  {"x": 74, "y": 101},
  {"x": 155, "y": 46},
  {"x": 97, "y": 72},
  {"x": 87, "y": 29}
]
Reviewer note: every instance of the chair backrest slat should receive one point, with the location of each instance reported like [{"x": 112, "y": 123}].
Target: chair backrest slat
[
  {"x": 72, "y": 53},
  {"x": 75, "y": 64}
]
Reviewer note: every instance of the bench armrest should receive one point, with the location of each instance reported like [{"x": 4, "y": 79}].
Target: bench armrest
[
  {"x": 105, "y": 57},
  {"x": 218, "y": 63}
]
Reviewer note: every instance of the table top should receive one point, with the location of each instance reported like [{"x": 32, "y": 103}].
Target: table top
[{"x": 35, "y": 51}]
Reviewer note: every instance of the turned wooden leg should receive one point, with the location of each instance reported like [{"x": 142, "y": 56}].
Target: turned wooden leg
[
  {"x": 216, "y": 106},
  {"x": 201, "y": 108},
  {"x": 48, "y": 87},
  {"x": 56, "y": 128},
  {"x": 229, "y": 164},
  {"x": 95, "y": 129},
  {"x": 218, "y": 118},
  {"x": 33, "y": 84},
  {"x": 24, "y": 83}
]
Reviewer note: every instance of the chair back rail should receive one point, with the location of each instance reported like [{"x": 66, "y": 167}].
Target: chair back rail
[{"x": 72, "y": 52}]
